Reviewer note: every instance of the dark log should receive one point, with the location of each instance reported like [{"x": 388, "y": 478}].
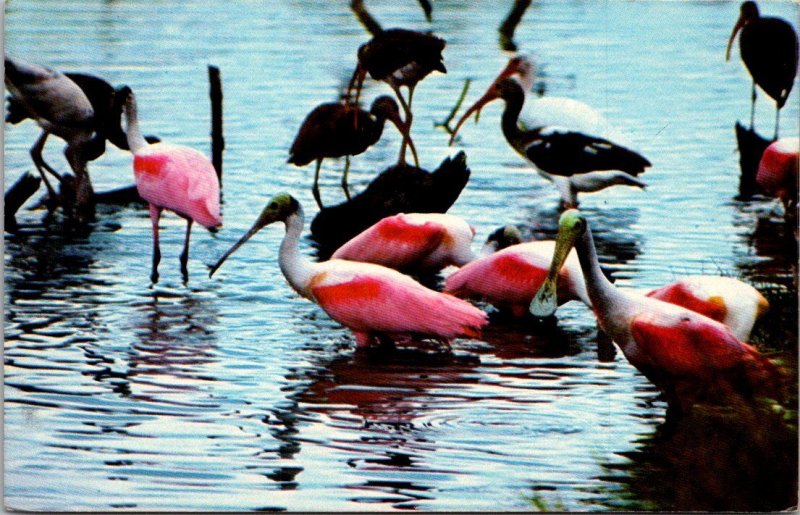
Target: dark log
[
  {"x": 17, "y": 195},
  {"x": 509, "y": 25},
  {"x": 399, "y": 189},
  {"x": 751, "y": 147},
  {"x": 365, "y": 18},
  {"x": 119, "y": 196},
  {"x": 217, "y": 139}
]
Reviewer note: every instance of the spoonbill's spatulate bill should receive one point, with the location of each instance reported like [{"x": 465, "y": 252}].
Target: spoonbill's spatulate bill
[
  {"x": 682, "y": 352},
  {"x": 370, "y": 299},
  {"x": 172, "y": 177}
]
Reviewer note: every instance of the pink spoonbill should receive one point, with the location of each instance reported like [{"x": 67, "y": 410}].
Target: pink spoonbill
[
  {"x": 421, "y": 242},
  {"x": 372, "y": 300},
  {"x": 778, "y": 170},
  {"x": 682, "y": 352},
  {"x": 174, "y": 177}
]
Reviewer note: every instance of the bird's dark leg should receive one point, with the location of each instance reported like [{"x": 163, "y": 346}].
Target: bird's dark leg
[
  {"x": 155, "y": 216},
  {"x": 315, "y": 188},
  {"x": 184, "y": 257},
  {"x": 344, "y": 176},
  {"x": 41, "y": 166},
  {"x": 753, "y": 106},
  {"x": 409, "y": 119}
]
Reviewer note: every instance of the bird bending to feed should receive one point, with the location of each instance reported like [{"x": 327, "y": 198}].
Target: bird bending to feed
[
  {"x": 421, "y": 242},
  {"x": 372, "y": 300},
  {"x": 573, "y": 161},
  {"x": 398, "y": 57},
  {"x": 769, "y": 49},
  {"x": 172, "y": 177},
  {"x": 509, "y": 278},
  {"x": 328, "y": 131},
  {"x": 682, "y": 352},
  {"x": 778, "y": 170},
  {"x": 59, "y": 107}
]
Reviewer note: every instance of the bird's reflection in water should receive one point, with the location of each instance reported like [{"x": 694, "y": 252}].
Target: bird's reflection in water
[{"x": 770, "y": 255}]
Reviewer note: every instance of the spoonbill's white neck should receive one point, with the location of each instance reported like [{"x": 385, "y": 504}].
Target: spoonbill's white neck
[
  {"x": 601, "y": 292},
  {"x": 136, "y": 141},
  {"x": 297, "y": 269}
]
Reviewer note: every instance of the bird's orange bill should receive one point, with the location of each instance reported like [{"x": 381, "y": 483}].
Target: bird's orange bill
[
  {"x": 266, "y": 217},
  {"x": 491, "y": 94},
  {"x": 359, "y": 74},
  {"x": 545, "y": 302},
  {"x": 736, "y": 28},
  {"x": 405, "y": 130}
]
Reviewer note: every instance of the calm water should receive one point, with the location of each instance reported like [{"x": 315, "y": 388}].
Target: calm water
[{"x": 234, "y": 394}]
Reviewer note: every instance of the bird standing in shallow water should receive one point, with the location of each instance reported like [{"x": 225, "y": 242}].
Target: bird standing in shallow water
[
  {"x": 172, "y": 177},
  {"x": 778, "y": 171},
  {"x": 372, "y": 300},
  {"x": 328, "y": 131},
  {"x": 398, "y": 57},
  {"x": 769, "y": 49},
  {"x": 682, "y": 352},
  {"x": 573, "y": 161}
]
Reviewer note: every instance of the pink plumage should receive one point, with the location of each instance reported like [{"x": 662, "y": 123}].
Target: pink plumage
[
  {"x": 370, "y": 300},
  {"x": 180, "y": 179},
  {"x": 511, "y": 277},
  {"x": 778, "y": 170}
]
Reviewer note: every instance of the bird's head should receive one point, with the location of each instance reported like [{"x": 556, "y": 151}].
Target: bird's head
[
  {"x": 521, "y": 68},
  {"x": 502, "y": 238},
  {"x": 278, "y": 209},
  {"x": 506, "y": 88},
  {"x": 747, "y": 13},
  {"x": 571, "y": 226}
]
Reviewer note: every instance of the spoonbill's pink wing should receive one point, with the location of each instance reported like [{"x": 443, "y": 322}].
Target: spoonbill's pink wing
[
  {"x": 180, "y": 179},
  {"x": 395, "y": 242},
  {"x": 390, "y": 302}
]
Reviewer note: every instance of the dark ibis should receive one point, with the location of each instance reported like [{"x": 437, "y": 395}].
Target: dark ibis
[
  {"x": 768, "y": 47},
  {"x": 399, "y": 57},
  {"x": 573, "y": 161},
  {"x": 173, "y": 177},
  {"x": 328, "y": 131}
]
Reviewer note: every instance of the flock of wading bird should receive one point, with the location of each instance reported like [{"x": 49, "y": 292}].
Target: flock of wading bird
[{"x": 687, "y": 337}]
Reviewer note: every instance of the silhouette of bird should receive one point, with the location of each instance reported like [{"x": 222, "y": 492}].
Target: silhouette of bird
[
  {"x": 768, "y": 47},
  {"x": 328, "y": 131}
]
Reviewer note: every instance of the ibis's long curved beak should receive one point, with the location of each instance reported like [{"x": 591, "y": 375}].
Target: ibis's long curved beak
[
  {"x": 545, "y": 302},
  {"x": 736, "y": 28},
  {"x": 491, "y": 94},
  {"x": 266, "y": 218},
  {"x": 405, "y": 130}
]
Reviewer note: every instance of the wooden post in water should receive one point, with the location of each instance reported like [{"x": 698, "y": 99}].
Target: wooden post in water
[
  {"x": 16, "y": 196},
  {"x": 217, "y": 139}
]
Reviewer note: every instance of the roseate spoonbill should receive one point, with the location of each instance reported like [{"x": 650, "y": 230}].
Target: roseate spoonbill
[
  {"x": 679, "y": 350},
  {"x": 573, "y": 161},
  {"x": 398, "y": 189},
  {"x": 172, "y": 177},
  {"x": 509, "y": 278},
  {"x": 421, "y": 242},
  {"x": 398, "y": 57},
  {"x": 768, "y": 47},
  {"x": 734, "y": 303},
  {"x": 778, "y": 170},
  {"x": 328, "y": 131},
  {"x": 372, "y": 300}
]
